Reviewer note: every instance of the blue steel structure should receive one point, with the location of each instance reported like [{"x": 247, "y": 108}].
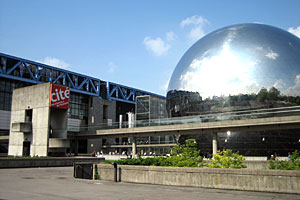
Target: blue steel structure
[{"x": 12, "y": 67}]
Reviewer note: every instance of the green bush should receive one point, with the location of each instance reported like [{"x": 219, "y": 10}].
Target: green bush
[
  {"x": 96, "y": 176},
  {"x": 174, "y": 161},
  {"x": 187, "y": 156},
  {"x": 293, "y": 164},
  {"x": 227, "y": 159}
]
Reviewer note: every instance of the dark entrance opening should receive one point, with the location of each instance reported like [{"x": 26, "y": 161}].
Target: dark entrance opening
[
  {"x": 82, "y": 146},
  {"x": 28, "y": 115},
  {"x": 26, "y": 148}
]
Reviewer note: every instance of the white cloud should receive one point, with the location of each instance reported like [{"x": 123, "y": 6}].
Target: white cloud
[
  {"x": 112, "y": 67},
  {"x": 295, "y": 31},
  {"x": 194, "y": 20},
  {"x": 170, "y": 36},
  {"x": 252, "y": 63},
  {"x": 157, "y": 46},
  {"x": 197, "y": 30},
  {"x": 233, "y": 79},
  {"x": 295, "y": 89},
  {"x": 259, "y": 48},
  {"x": 272, "y": 55},
  {"x": 280, "y": 84},
  {"x": 55, "y": 62},
  {"x": 196, "y": 33}
]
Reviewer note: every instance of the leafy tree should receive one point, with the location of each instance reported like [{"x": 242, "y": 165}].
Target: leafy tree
[
  {"x": 293, "y": 164},
  {"x": 187, "y": 150},
  {"x": 262, "y": 95},
  {"x": 274, "y": 94},
  {"x": 227, "y": 159}
]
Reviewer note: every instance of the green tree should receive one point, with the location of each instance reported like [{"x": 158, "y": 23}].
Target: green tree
[
  {"x": 274, "y": 94},
  {"x": 293, "y": 164},
  {"x": 262, "y": 95},
  {"x": 187, "y": 150},
  {"x": 227, "y": 159}
]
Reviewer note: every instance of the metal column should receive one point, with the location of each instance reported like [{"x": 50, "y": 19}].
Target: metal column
[
  {"x": 133, "y": 146},
  {"x": 214, "y": 143}
]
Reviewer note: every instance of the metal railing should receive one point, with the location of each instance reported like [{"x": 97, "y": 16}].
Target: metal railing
[{"x": 225, "y": 116}]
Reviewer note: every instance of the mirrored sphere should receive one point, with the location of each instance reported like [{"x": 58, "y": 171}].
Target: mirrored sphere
[{"x": 239, "y": 67}]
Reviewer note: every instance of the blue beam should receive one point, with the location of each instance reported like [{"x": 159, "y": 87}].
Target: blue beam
[
  {"x": 83, "y": 82},
  {"x": 45, "y": 72},
  {"x": 68, "y": 77},
  {"x": 14, "y": 67},
  {"x": 122, "y": 100},
  {"x": 130, "y": 94},
  {"x": 58, "y": 78},
  {"x": 20, "y": 79},
  {"x": 93, "y": 86},
  {"x": 29, "y": 71},
  {"x": 122, "y": 94},
  {"x": 135, "y": 90},
  {"x": 4, "y": 65}
]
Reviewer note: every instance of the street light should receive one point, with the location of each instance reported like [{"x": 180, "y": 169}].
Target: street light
[{"x": 228, "y": 133}]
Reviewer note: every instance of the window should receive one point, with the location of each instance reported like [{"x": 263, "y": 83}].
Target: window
[
  {"x": 6, "y": 88},
  {"x": 78, "y": 106},
  {"x": 105, "y": 111}
]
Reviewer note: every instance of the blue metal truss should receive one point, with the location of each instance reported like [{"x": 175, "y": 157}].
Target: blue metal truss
[
  {"x": 36, "y": 73},
  {"x": 124, "y": 93}
]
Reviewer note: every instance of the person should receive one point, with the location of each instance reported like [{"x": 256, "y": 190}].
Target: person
[
  {"x": 289, "y": 156},
  {"x": 269, "y": 155}
]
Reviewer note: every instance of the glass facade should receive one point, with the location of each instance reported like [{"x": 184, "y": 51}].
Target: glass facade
[
  {"x": 79, "y": 104},
  {"x": 149, "y": 108},
  {"x": 6, "y": 90}
]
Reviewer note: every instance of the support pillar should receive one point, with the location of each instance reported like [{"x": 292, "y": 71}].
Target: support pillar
[
  {"x": 133, "y": 146},
  {"x": 76, "y": 147},
  {"x": 214, "y": 143}
]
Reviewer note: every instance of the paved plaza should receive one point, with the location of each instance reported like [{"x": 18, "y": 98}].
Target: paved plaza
[{"x": 58, "y": 183}]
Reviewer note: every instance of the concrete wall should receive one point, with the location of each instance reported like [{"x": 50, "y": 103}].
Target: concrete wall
[
  {"x": 237, "y": 179},
  {"x": 44, "y": 162},
  {"x": 36, "y": 98},
  {"x": 96, "y": 119},
  {"x": 16, "y": 138},
  {"x": 40, "y": 131},
  {"x": 59, "y": 143},
  {"x": 4, "y": 119},
  {"x": 58, "y": 123}
]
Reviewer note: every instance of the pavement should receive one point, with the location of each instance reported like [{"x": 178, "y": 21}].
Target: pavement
[{"x": 58, "y": 183}]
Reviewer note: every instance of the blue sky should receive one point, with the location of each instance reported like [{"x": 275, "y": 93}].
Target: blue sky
[{"x": 134, "y": 43}]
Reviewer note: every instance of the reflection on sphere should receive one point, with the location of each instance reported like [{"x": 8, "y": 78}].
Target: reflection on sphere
[
  {"x": 240, "y": 67},
  {"x": 244, "y": 68}
]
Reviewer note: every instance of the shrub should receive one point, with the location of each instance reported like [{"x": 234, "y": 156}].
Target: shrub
[
  {"x": 293, "y": 164},
  {"x": 227, "y": 159},
  {"x": 187, "y": 156}
]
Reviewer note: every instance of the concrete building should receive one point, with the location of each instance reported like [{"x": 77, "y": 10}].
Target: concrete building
[
  {"x": 39, "y": 116},
  {"x": 93, "y": 104}
]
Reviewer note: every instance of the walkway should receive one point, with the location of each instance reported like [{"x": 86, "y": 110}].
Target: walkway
[{"x": 57, "y": 183}]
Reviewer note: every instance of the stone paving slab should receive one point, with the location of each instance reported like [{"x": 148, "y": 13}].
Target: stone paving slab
[{"x": 58, "y": 183}]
